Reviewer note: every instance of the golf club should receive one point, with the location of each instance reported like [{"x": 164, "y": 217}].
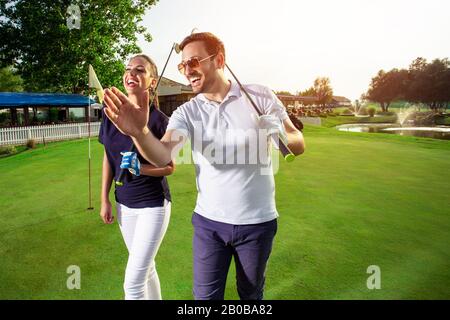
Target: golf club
[
  {"x": 287, "y": 154},
  {"x": 123, "y": 172}
]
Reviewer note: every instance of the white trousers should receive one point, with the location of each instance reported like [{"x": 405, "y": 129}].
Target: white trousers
[{"x": 143, "y": 231}]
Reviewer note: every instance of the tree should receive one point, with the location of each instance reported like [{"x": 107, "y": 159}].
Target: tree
[
  {"x": 287, "y": 93},
  {"x": 9, "y": 81},
  {"x": 323, "y": 90},
  {"x": 417, "y": 81},
  {"x": 50, "y": 56},
  {"x": 440, "y": 91},
  {"x": 423, "y": 82},
  {"x": 429, "y": 83},
  {"x": 311, "y": 92},
  {"x": 387, "y": 87}
]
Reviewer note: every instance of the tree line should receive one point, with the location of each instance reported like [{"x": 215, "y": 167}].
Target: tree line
[{"x": 423, "y": 82}]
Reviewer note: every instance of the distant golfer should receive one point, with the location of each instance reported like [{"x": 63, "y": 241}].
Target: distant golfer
[
  {"x": 235, "y": 215},
  {"x": 143, "y": 202}
]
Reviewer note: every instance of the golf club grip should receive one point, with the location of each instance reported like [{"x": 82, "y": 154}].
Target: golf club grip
[
  {"x": 123, "y": 172},
  {"x": 284, "y": 149}
]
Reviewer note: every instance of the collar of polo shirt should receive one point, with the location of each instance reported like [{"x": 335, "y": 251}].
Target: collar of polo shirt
[{"x": 235, "y": 91}]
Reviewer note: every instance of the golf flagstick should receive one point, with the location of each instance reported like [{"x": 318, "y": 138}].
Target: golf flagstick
[
  {"x": 89, "y": 139},
  {"x": 287, "y": 154},
  {"x": 93, "y": 83},
  {"x": 123, "y": 172}
]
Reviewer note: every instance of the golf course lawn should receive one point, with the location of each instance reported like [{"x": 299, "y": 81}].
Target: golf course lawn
[{"x": 351, "y": 201}]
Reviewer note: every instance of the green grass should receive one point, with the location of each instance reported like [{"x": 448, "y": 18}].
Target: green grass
[
  {"x": 337, "y": 120},
  {"x": 393, "y": 105},
  {"x": 351, "y": 201}
]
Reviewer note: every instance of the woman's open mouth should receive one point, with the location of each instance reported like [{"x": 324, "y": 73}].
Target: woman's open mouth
[{"x": 131, "y": 83}]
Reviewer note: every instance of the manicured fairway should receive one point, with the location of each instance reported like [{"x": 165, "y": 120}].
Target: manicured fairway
[{"x": 351, "y": 201}]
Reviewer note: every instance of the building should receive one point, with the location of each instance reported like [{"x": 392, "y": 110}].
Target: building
[
  {"x": 339, "y": 101},
  {"x": 27, "y": 108},
  {"x": 295, "y": 101},
  {"x": 299, "y": 101},
  {"x": 172, "y": 94}
]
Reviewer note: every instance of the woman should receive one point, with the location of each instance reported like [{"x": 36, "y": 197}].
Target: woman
[{"x": 143, "y": 202}]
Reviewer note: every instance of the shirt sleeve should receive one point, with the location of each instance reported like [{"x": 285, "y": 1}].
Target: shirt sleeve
[
  {"x": 178, "y": 121},
  {"x": 274, "y": 106}
]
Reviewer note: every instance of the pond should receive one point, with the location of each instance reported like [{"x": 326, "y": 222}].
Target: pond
[{"x": 435, "y": 132}]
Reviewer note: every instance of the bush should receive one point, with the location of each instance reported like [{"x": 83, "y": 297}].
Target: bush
[
  {"x": 31, "y": 144},
  {"x": 371, "y": 112},
  {"x": 7, "y": 150}
]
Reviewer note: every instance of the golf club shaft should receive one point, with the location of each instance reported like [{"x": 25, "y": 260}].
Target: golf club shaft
[
  {"x": 123, "y": 172},
  {"x": 287, "y": 154}
]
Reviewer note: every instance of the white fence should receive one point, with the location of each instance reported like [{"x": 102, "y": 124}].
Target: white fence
[{"x": 20, "y": 135}]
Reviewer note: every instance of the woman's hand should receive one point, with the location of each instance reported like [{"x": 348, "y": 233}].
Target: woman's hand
[
  {"x": 130, "y": 118},
  {"x": 106, "y": 212}
]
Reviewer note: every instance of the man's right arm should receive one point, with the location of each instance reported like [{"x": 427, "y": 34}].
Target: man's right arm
[
  {"x": 131, "y": 119},
  {"x": 159, "y": 152}
]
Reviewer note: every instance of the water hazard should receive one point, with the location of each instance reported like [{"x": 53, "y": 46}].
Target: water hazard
[{"x": 435, "y": 132}]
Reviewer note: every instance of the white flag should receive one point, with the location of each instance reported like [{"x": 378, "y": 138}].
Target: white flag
[{"x": 94, "y": 83}]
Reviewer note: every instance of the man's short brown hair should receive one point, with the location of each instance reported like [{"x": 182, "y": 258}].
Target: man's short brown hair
[{"x": 213, "y": 44}]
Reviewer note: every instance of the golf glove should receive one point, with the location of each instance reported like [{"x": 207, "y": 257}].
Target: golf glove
[
  {"x": 131, "y": 162},
  {"x": 272, "y": 124}
]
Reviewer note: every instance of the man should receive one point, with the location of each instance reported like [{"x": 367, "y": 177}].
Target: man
[{"x": 235, "y": 215}]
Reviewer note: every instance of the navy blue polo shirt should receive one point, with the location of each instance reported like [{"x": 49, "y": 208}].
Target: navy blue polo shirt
[{"x": 137, "y": 191}]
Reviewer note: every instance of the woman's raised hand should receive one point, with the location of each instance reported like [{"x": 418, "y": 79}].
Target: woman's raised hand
[{"x": 130, "y": 118}]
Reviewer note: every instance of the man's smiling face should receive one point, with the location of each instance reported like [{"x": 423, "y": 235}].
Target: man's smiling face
[{"x": 202, "y": 77}]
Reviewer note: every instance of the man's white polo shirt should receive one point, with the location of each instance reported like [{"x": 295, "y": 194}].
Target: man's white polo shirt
[{"x": 234, "y": 175}]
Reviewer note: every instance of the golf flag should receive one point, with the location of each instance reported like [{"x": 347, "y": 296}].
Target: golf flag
[{"x": 94, "y": 83}]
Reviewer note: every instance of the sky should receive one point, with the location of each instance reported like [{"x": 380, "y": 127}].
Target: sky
[{"x": 286, "y": 44}]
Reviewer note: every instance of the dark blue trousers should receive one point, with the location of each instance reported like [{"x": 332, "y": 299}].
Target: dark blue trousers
[{"x": 214, "y": 245}]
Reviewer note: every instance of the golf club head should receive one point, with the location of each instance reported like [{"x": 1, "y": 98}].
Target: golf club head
[{"x": 176, "y": 46}]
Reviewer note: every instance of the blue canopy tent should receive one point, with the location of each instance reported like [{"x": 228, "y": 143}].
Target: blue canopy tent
[{"x": 25, "y": 100}]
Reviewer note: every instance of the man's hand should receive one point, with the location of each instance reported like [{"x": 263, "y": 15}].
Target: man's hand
[
  {"x": 131, "y": 162},
  {"x": 130, "y": 118},
  {"x": 272, "y": 124}
]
